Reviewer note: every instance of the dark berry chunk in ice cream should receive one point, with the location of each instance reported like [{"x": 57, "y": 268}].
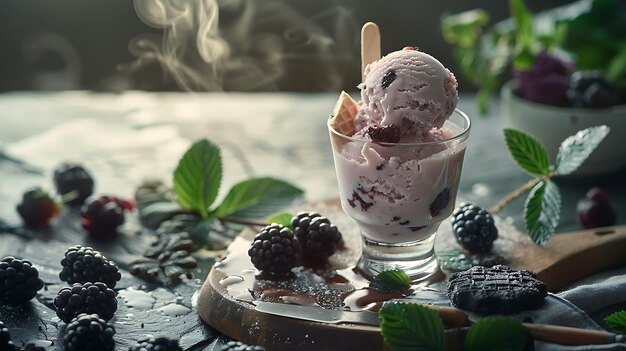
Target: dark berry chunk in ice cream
[
  {"x": 388, "y": 78},
  {"x": 387, "y": 134},
  {"x": 440, "y": 202}
]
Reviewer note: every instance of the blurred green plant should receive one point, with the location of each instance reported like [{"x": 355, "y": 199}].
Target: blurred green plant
[{"x": 592, "y": 32}]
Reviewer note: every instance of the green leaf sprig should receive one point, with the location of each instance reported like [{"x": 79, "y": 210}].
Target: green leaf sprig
[
  {"x": 542, "y": 208},
  {"x": 197, "y": 181},
  {"x": 409, "y": 326},
  {"x": 617, "y": 322},
  {"x": 394, "y": 280}
]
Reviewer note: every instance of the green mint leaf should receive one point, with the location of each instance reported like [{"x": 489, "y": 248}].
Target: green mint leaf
[
  {"x": 257, "y": 198},
  {"x": 282, "y": 219},
  {"x": 198, "y": 176},
  {"x": 496, "y": 333},
  {"x": 527, "y": 152},
  {"x": 453, "y": 260},
  {"x": 575, "y": 149},
  {"x": 542, "y": 211},
  {"x": 411, "y": 327},
  {"x": 617, "y": 322},
  {"x": 391, "y": 281}
]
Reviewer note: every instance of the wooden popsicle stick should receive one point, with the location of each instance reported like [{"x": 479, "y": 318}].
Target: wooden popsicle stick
[{"x": 370, "y": 45}]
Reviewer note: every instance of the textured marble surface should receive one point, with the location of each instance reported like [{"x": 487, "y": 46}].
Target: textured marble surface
[{"x": 124, "y": 139}]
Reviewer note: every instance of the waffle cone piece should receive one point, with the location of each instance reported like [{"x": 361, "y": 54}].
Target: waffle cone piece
[{"x": 343, "y": 114}]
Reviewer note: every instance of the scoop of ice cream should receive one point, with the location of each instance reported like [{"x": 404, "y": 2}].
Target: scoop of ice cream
[{"x": 408, "y": 89}]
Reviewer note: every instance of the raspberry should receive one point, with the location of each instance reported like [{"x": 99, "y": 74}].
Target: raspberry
[
  {"x": 239, "y": 346},
  {"x": 318, "y": 237},
  {"x": 474, "y": 228},
  {"x": 89, "y": 332},
  {"x": 73, "y": 183},
  {"x": 87, "y": 298},
  {"x": 388, "y": 134},
  {"x": 19, "y": 281},
  {"x": 37, "y": 208},
  {"x": 156, "y": 344},
  {"x": 595, "y": 210},
  {"x": 5, "y": 339},
  {"x": 84, "y": 264},
  {"x": 275, "y": 250},
  {"x": 103, "y": 215}
]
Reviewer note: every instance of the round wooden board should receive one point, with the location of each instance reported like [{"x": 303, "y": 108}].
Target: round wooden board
[{"x": 239, "y": 320}]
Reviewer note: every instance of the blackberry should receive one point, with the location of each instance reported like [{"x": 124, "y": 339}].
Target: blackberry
[
  {"x": 318, "y": 237},
  {"x": 89, "y": 332},
  {"x": 19, "y": 281},
  {"x": 73, "y": 183},
  {"x": 90, "y": 298},
  {"x": 84, "y": 264},
  {"x": 37, "y": 208},
  {"x": 239, "y": 346},
  {"x": 474, "y": 228},
  {"x": 275, "y": 250},
  {"x": 5, "y": 339},
  {"x": 156, "y": 344},
  {"x": 102, "y": 216}
]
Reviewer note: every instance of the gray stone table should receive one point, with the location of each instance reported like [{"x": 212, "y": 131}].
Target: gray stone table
[{"x": 127, "y": 138}]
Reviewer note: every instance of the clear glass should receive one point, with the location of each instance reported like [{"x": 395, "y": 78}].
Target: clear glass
[{"x": 399, "y": 194}]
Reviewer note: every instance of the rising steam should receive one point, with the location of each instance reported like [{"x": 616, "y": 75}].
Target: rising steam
[{"x": 250, "y": 45}]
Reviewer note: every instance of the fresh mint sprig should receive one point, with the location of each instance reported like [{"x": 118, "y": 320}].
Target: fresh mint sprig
[
  {"x": 617, "y": 322},
  {"x": 409, "y": 326},
  {"x": 197, "y": 181},
  {"x": 394, "y": 280},
  {"x": 542, "y": 208}
]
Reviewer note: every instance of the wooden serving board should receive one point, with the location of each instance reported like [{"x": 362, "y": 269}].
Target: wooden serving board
[{"x": 566, "y": 258}]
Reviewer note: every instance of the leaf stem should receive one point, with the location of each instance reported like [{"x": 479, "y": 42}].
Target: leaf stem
[
  {"x": 514, "y": 195},
  {"x": 242, "y": 221}
]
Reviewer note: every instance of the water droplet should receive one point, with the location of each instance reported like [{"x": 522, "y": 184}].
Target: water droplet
[
  {"x": 137, "y": 298},
  {"x": 174, "y": 310}
]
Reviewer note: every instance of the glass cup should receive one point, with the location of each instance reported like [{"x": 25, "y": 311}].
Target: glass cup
[{"x": 399, "y": 194}]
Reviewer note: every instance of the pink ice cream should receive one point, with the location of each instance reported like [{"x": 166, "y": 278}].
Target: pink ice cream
[
  {"x": 399, "y": 172},
  {"x": 410, "y": 90}
]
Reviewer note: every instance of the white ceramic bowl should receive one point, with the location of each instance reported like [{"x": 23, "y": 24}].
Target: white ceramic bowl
[{"x": 550, "y": 125}]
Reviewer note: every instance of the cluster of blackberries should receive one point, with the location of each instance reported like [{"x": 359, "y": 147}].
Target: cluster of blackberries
[
  {"x": 101, "y": 216},
  {"x": 474, "y": 228},
  {"x": 73, "y": 183},
  {"x": 277, "y": 249}
]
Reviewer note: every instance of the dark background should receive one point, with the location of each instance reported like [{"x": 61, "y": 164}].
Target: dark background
[{"x": 288, "y": 45}]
